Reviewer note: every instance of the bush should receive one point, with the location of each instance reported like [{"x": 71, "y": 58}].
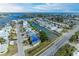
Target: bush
[
  {"x": 65, "y": 50},
  {"x": 43, "y": 36},
  {"x": 74, "y": 38}
]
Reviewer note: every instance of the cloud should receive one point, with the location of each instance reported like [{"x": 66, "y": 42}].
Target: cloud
[
  {"x": 49, "y": 7},
  {"x": 39, "y": 7},
  {"x": 10, "y": 8},
  {"x": 56, "y": 7}
]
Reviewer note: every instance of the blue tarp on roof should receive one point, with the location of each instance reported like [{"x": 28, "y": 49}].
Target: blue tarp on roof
[{"x": 34, "y": 37}]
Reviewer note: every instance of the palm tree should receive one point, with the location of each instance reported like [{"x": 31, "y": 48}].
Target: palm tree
[
  {"x": 2, "y": 41},
  {"x": 25, "y": 42},
  {"x": 12, "y": 36}
]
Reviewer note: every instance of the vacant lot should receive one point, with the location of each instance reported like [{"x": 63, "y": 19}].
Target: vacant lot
[{"x": 12, "y": 49}]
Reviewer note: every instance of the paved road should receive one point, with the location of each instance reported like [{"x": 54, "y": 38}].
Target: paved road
[
  {"x": 19, "y": 42},
  {"x": 53, "y": 49}
]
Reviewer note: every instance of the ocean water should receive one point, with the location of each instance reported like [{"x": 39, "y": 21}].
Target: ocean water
[{"x": 13, "y": 16}]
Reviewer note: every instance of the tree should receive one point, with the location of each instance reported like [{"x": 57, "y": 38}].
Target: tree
[
  {"x": 22, "y": 29},
  {"x": 73, "y": 38},
  {"x": 59, "y": 19},
  {"x": 25, "y": 42},
  {"x": 65, "y": 50},
  {"x": 43, "y": 36},
  {"x": 71, "y": 25},
  {"x": 30, "y": 41},
  {"x": 12, "y": 35},
  {"x": 20, "y": 22},
  {"x": 40, "y": 15},
  {"x": 2, "y": 41},
  {"x": 77, "y": 33}
]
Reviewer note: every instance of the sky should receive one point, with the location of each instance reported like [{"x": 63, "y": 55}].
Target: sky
[{"x": 39, "y": 7}]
